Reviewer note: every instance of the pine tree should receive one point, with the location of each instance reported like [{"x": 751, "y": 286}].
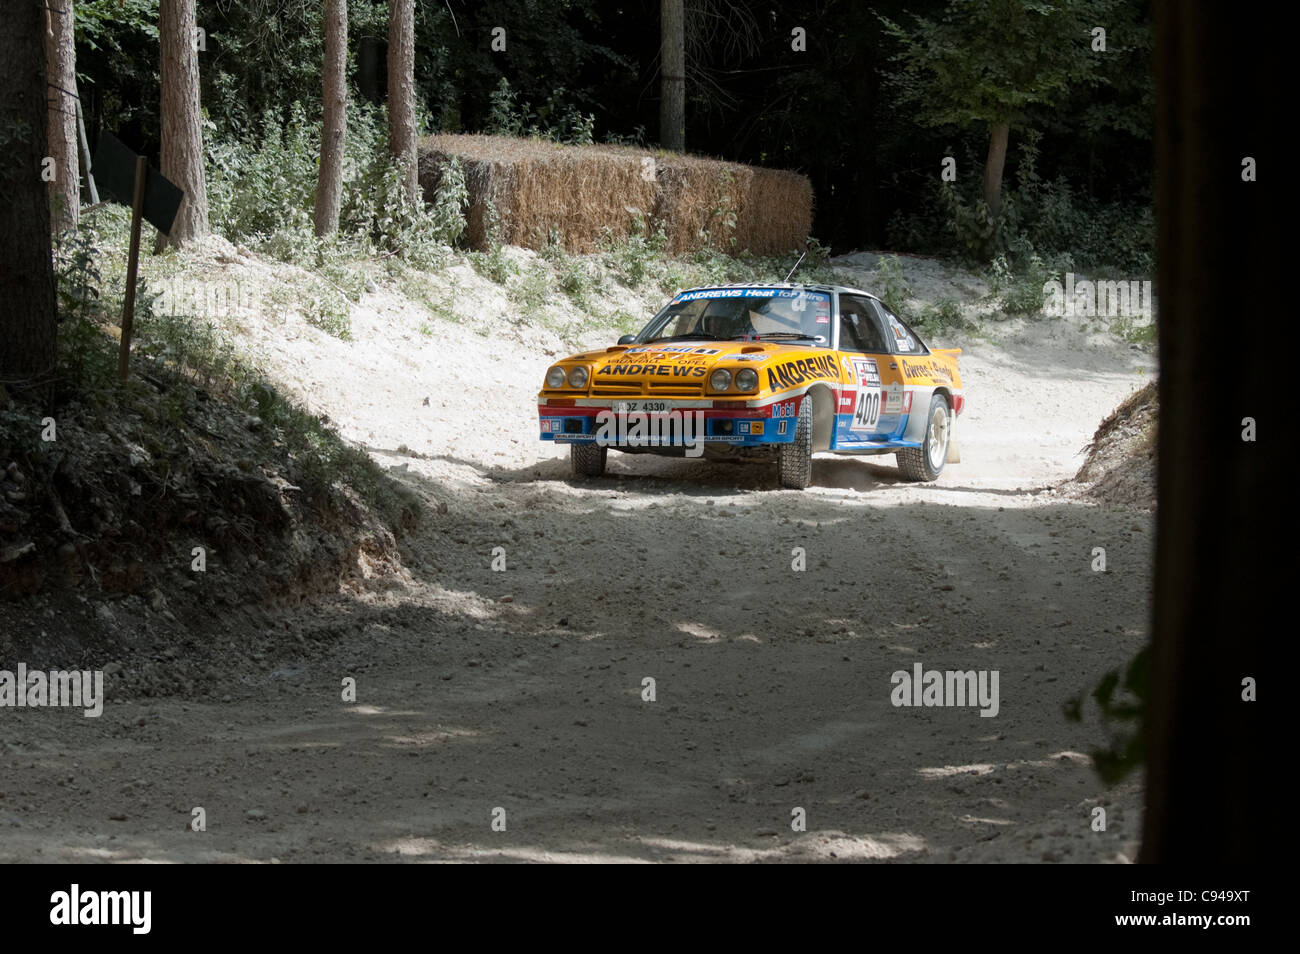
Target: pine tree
[
  {"x": 329, "y": 183},
  {"x": 182, "y": 130},
  {"x": 401, "y": 94}
]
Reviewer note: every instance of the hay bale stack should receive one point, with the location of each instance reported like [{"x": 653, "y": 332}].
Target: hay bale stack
[
  {"x": 770, "y": 209},
  {"x": 583, "y": 195}
]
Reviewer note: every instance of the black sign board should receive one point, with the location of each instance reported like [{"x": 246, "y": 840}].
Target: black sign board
[{"x": 114, "y": 166}]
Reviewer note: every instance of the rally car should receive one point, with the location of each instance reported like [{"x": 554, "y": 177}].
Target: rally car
[{"x": 766, "y": 371}]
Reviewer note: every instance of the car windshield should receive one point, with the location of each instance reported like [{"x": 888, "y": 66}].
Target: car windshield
[{"x": 723, "y": 314}]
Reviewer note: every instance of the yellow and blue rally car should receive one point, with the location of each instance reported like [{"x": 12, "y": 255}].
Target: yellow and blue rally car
[{"x": 766, "y": 371}]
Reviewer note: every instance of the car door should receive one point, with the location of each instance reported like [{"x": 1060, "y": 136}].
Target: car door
[
  {"x": 872, "y": 402},
  {"x": 918, "y": 374}
]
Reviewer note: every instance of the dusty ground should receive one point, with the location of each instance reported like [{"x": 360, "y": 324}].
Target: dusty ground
[{"x": 522, "y": 689}]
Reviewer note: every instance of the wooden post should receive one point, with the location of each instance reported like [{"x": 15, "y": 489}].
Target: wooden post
[{"x": 132, "y": 264}]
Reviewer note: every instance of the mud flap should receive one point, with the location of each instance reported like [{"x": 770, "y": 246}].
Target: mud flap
[{"x": 954, "y": 449}]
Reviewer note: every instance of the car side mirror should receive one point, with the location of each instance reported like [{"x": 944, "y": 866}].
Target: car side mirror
[{"x": 627, "y": 339}]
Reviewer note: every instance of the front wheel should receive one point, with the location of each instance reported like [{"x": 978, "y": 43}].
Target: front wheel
[
  {"x": 926, "y": 462},
  {"x": 587, "y": 460},
  {"x": 794, "y": 460}
]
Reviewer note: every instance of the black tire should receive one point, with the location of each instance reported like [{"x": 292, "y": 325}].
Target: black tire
[
  {"x": 794, "y": 460},
  {"x": 587, "y": 459},
  {"x": 918, "y": 463}
]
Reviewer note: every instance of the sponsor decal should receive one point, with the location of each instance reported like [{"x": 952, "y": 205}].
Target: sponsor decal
[
  {"x": 866, "y": 411},
  {"x": 925, "y": 369},
  {"x": 671, "y": 349},
  {"x": 893, "y": 398},
  {"x": 790, "y": 374},
  {"x": 905, "y": 341},
  {"x": 655, "y": 370},
  {"x": 802, "y": 295},
  {"x": 866, "y": 373}
]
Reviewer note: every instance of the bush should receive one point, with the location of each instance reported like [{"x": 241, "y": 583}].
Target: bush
[
  {"x": 1049, "y": 216},
  {"x": 892, "y": 286},
  {"x": 943, "y": 315},
  {"x": 533, "y": 290},
  {"x": 575, "y": 280},
  {"x": 556, "y": 120},
  {"x": 1017, "y": 277},
  {"x": 493, "y": 264},
  {"x": 262, "y": 190},
  {"x": 256, "y": 189},
  {"x": 1052, "y": 217},
  {"x": 633, "y": 259}
]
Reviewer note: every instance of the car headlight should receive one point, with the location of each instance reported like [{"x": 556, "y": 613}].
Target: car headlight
[
  {"x": 578, "y": 378},
  {"x": 555, "y": 378},
  {"x": 720, "y": 379},
  {"x": 746, "y": 379}
]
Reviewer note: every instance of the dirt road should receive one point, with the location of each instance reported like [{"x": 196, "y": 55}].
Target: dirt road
[{"x": 524, "y": 689}]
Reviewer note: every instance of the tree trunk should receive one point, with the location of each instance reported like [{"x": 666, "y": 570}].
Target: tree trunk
[
  {"x": 672, "y": 84},
  {"x": 1214, "y": 598},
  {"x": 182, "y": 132},
  {"x": 27, "y": 315},
  {"x": 999, "y": 133},
  {"x": 61, "y": 89},
  {"x": 401, "y": 93},
  {"x": 329, "y": 183}
]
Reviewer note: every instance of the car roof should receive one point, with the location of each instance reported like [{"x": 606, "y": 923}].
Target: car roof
[{"x": 808, "y": 286}]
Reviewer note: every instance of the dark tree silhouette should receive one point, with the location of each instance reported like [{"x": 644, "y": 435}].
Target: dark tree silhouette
[
  {"x": 672, "y": 71},
  {"x": 27, "y": 315}
]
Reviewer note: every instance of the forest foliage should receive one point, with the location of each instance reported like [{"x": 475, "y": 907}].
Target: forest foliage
[{"x": 868, "y": 108}]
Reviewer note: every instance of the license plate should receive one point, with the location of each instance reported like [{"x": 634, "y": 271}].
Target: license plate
[{"x": 641, "y": 407}]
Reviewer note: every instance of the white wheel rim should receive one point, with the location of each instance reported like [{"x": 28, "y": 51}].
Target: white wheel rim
[{"x": 938, "y": 441}]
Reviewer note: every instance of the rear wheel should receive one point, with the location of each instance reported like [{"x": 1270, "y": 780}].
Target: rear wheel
[
  {"x": 587, "y": 459},
  {"x": 794, "y": 460},
  {"x": 926, "y": 462}
]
